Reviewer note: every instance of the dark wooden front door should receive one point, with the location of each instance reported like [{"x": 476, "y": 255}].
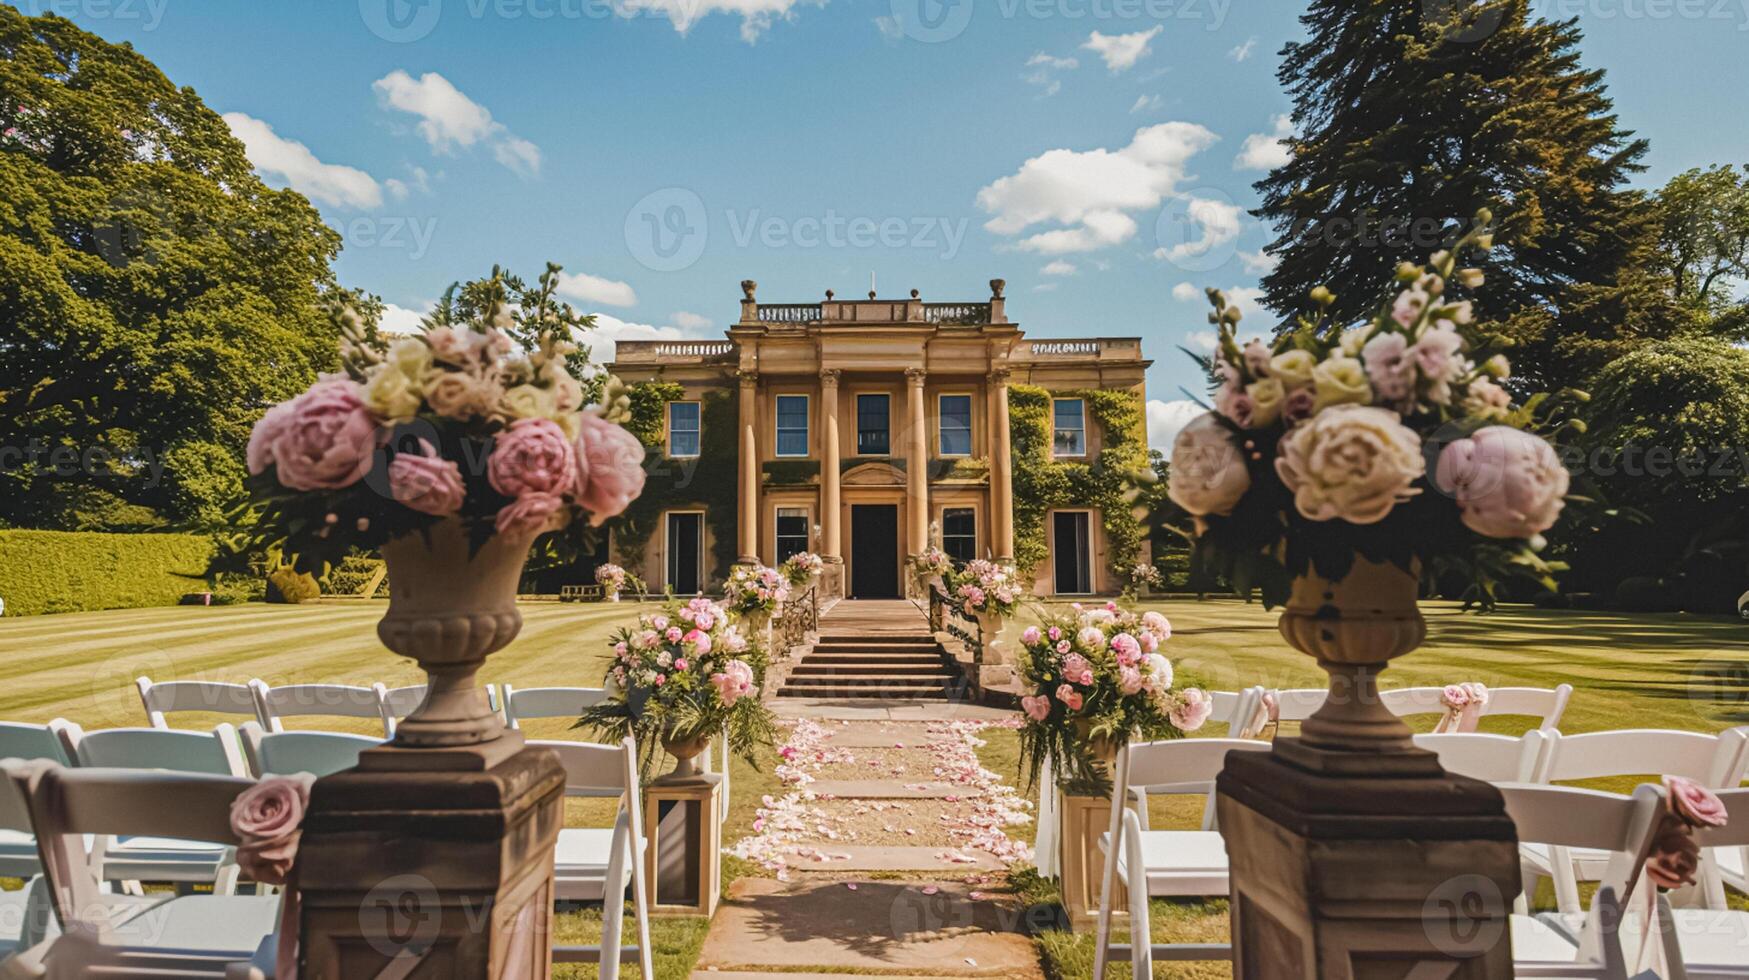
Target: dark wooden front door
[
  {"x": 1070, "y": 555},
  {"x": 685, "y": 544},
  {"x": 874, "y": 551}
]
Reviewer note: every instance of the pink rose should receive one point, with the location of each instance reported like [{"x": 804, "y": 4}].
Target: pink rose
[
  {"x": 1067, "y": 695},
  {"x": 1030, "y": 636},
  {"x": 1236, "y": 405},
  {"x": 267, "y": 818},
  {"x": 609, "y": 467},
  {"x": 1038, "y": 708},
  {"x": 1127, "y": 649},
  {"x": 1073, "y": 665},
  {"x": 1299, "y": 405},
  {"x": 325, "y": 440},
  {"x": 699, "y": 640},
  {"x": 529, "y": 514},
  {"x": 531, "y": 456},
  {"x": 1386, "y": 357},
  {"x": 1408, "y": 306},
  {"x": 1507, "y": 483},
  {"x": 674, "y": 634},
  {"x": 426, "y": 482},
  {"x": 1455, "y": 696},
  {"x": 680, "y": 664},
  {"x": 1694, "y": 804},
  {"x": 1191, "y": 710},
  {"x": 1129, "y": 680}
]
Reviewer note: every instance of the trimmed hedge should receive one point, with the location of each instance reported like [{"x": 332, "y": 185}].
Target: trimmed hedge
[{"x": 73, "y": 571}]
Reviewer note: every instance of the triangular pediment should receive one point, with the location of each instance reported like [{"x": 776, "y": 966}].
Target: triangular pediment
[{"x": 874, "y": 475}]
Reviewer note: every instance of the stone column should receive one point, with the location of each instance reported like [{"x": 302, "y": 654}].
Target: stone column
[
  {"x": 831, "y": 536},
  {"x": 749, "y": 469},
  {"x": 1001, "y": 469},
  {"x": 917, "y": 464}
]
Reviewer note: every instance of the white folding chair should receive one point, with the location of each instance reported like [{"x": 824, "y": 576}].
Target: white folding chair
[
  {"x": 228, "y": 699},
  {"x": 1490, "y": 758},
  {"x": 1582, "y": 945},
  {"x": 1545, "y": 703},
  {"x": 150, "y": 857},
  {"x": 53, "y": 741},
  {"x": 26, "y": 916},
  {"x": 1300, "y": 703},
  {"x": 1712, "y": 943},
  {"x": 331, "y": 700},
  {"x": 593, "y": 864},
  {"x": 1156, "y": 863},
  {"x": 157, "y": 935},
  {"x": 548, "y": 702},
  {"x": 1407, "y": 701},
  {"x": 1652, "y": 752},
  {"x": 398, "y": 703},
  {"x": 1231, "y": 708},
  {"x": 317, "y": 753}
]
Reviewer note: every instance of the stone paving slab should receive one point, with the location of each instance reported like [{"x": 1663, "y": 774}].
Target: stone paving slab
[
  {"x": 887, "y": 857},
  {"x": 832, "y": 709},
  {"x": 888, "y": 927},
  {"x": 873, "y": 736},
  {"x": 887, "y": 789}
]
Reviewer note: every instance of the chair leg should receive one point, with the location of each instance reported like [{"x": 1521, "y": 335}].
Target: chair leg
[
  {"x": 1141, "y": 930},
  {"x": 641, "y": 915},
  {"x": 613, "y": 911}
]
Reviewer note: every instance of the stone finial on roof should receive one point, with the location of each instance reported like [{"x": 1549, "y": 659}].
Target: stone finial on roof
[
  {"x": 748, "y": 288},
  {"x": 996, "y": 287}
]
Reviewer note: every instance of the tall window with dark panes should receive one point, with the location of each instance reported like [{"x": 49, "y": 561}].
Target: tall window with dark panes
[
  {"x": 1069, "y": 416},
  {"x": 683, "y": 429},
  {"x": 792, "y": 425},
  {"x": 792, "y": 532},
  {"x": 956, "y": 425},
  {"x": 959, "y": 534},
  {"x": 872, "y": 425}
]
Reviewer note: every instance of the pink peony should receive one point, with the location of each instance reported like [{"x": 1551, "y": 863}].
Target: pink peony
[
  {"x": 609, "y": 467},
  {"x": 426, "y": 482},
  {"x": 1208, "y": 474},
  {"x": 680, "y": 664},
  {"x": 267, "y": 818},
  {"x": 1030, "y": 636},
  {"x": 1127, "y": 649},
  {"x": 1038, "y": 708},
  {"x": 532, "y": 456},
  {"x": 529, "y": 514},
  {"x": 1507, "y": 483},
  {"x": 1386, "y": 357},
  {"x": 1067, "y": 695},
  {"x": 674, "y": 634},
  {"x": 1408, "y": 306},
  {"x": 1191, "y": 710},
  {"x": 700, "y": 641},
  {"x": 735, "y": 682},
  {"x": 1129, "y": 680},
  {"x": 259, "y": 455},
  {"x": 324, "y": 440}
]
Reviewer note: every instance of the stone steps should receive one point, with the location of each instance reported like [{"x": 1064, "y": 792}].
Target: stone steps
[{"x": 874, "y": 667}]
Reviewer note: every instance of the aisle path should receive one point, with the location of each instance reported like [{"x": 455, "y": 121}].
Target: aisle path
[{"x": 887, "y": 855}]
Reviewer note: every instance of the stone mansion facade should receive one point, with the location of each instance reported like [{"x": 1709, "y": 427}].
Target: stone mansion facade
[{"x": 863, "y": 430}]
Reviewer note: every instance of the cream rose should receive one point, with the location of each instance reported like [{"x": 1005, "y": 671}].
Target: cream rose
[
  {"x": 411, "y": 356},
  {"x": 1207, "y": 474},
  {"x": 527, "y": 402},
  {"x": 1351, "y": 462},
  {"x": 1293, "y": 368},
  {"x": 1340, "y": 381},
  {"x": 391, "y": 395},
  {"x": 1267, "y": 397},
  {"x": 457, "y": 394}
]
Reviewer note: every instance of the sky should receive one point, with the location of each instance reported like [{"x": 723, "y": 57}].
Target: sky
[{"x": 1096, "y": 154}]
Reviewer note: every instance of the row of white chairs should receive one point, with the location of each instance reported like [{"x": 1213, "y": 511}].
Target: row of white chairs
[
  {"x": 1698, "y": 943},
  {"x": 66, "y": 922}
]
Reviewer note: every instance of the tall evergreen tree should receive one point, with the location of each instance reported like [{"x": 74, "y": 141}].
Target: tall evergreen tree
[{"x": 1412, "y": 114}]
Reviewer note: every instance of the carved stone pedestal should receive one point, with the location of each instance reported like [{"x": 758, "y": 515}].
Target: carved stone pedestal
[
  {"x": 1360, "y": 866},
  {"x": 683, "y": 840},
  {"x": 432, "y": 873}
]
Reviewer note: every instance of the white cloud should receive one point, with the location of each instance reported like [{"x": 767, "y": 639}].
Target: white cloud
[
  {"x": 1184, "y": 292},
  {"x": 417, "y": 180},
  {"x": 1248, "y": 300},
  {"x": 690, "y": 321},
  {"x": 449, "y": 119},
  {"x": 1202, "y": 340},
  {"x": 889, "y": 27},
  {"x": 1051, "y": 61},
  {"x": 1259, "y": 261},
  {"x": 1218, "y": 222},
  {"x": 1122, "y": 51},
  {"x": 1043, "y": 72},
  {"x": 1167, "y": 419},
  {"x": 583, "y": 287},
  {"x": 756, "y": 15},
  {"x": 1244, "y": 51},
  {"x": 1266, "y": 151},
  {"x": 399, "y": 319},
  {"x": 1092, "y": 191},
  {"x": 1145, "y": 102},
  {"x": 293, "y": 163},
  {"x": 1058, "y": 268},
  {"x": 1044, "y": 287}
]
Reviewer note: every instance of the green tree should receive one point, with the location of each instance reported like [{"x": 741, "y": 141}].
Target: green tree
[
  {"x": 155, "y": 296},
  {"x": 1704, "y": 243},
  {"x": 1410, "y": 116}
]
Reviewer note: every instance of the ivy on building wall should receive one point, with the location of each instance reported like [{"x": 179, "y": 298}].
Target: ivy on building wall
[
  {"x": 706, "y": 483},
  {"x": 1110, "y": 482}
]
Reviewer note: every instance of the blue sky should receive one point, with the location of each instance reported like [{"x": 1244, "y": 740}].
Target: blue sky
[{"x": 1098, "y": 154}]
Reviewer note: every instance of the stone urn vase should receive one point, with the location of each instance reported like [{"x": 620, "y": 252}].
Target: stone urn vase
[
  {"x": 611, "y": 595},
  {"x": 685, "y": 752},
  {"x": 449, "y": 610},
  {"x": 1354, "y": 628},
  {"x": 758, "y": 626},
  {"x": 989, "y": 632}
]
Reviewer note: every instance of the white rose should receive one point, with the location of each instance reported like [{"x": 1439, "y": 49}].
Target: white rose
[
  {"x": 1158, "y": 676},
  {"x": 1266, "y": 401},
  {"x": 1340, "y": 381},
  {"x": 457, "y": 394},
  {"x": 411, "y": 356},
  {"x": 526, "y": 402},
  {"x": 391, "y": 396},
  {"x": 1293, "y": 368},
  {"x": 1207, "y": 474},
  {"x": 1351, "y": 462}
]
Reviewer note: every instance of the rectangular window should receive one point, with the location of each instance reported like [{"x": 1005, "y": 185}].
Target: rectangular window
[
  {"x": 959, "y": 534},
  {"x": 871, "y": 425},
  {"x": 1070, "y": 423},
  {"x": 792, "y": 532},
  {"x": 683, "y": 428},
  {"x": 956, "y": 425},
  {"x": 792, "y": 425}
]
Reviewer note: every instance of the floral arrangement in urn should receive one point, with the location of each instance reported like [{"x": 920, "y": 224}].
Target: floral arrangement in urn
[
  {"x": 613, "y": 580},
  {"x": 931, "y": 565},
  {"x": 1098, "y": 678},
  {"x": 1145, "y": 576},
  {"x": 986, "y": 587},
  {"x": 800, "y": 567},
  {"x": 1392, "y": 440},
  {"x": 754, "y": 589},
  {"x": 679, "y": 678}
]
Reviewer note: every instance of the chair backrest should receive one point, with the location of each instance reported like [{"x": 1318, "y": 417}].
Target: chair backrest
[
  {"x": 1186, "y": 765},
  {"x": 213, "y": 753},
  {"x": 317, "y": 753},
  {"x": 1735, "y": 833},
  {"x": 548, "y": 702},
  {"x": 1298, "y": 704},
  {"x": 229, "y": 699},
  {"x": 1491, "y": 758},
  {"x": 333, "y": 700},
  {"x": 1404, "y": 701},
  {"x": 399, "y": 702},
  {"x": 23, "y": 741},
  {"x": 1564, "y": 817},
  {"x": 15, "y": 796},
  {"x": 1545, "y": 703},
  {"x": 593, "y": 770},
  {"x": 68, "y": 803},
  {"x": 1632, "y": 752}
]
